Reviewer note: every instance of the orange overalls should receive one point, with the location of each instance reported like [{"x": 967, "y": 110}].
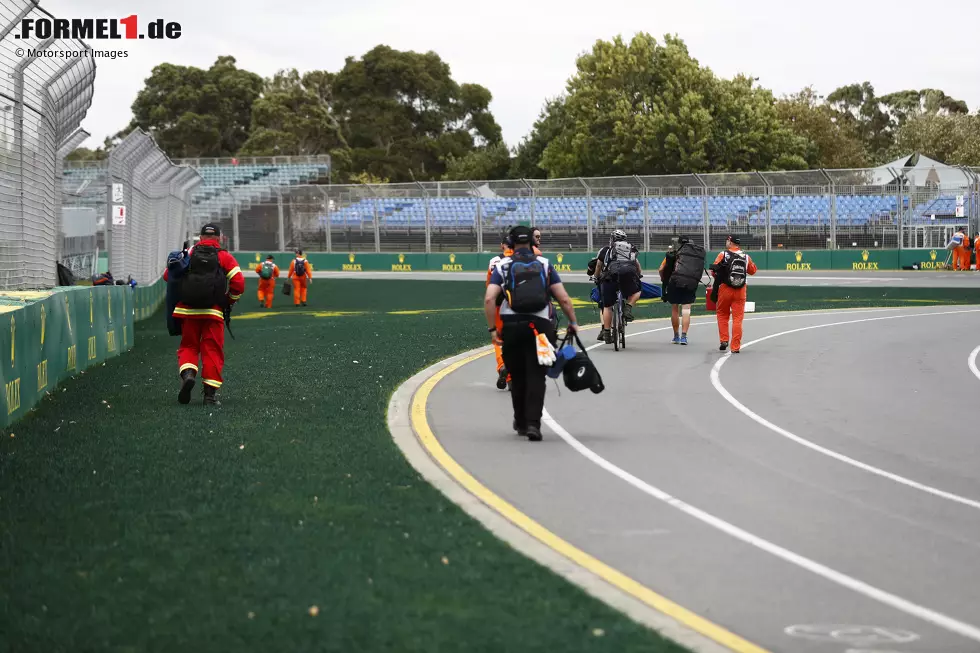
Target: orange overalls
[
  {"x": 300, "y": 283},
  {"x": 731, "y": 303},
  {"x": 267, "y": 287},
  {"x": 976, "y": 248},
  {"x": 962, "y": 255}
]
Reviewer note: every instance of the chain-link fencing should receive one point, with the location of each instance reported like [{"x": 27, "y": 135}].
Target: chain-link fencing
[
  {"x": 46, "y": 87},
  {"x": 148, "y": 207},
  {"x": 874, "y": 208}
]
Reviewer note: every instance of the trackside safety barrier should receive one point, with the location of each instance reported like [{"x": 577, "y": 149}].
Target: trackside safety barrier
[
  {"x": 780, "y": 260},
  {"x": 48, "y": 336}
]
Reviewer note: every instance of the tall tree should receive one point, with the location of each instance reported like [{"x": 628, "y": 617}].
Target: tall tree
[
  {"x": 550, "y": 123},
  {"x": 951, "y": 138},
  {"x": 862, "y": 111},
  {"x": 197, "y": 113},
  {"x": 403, "y": 115},
  {"x": 484, "y": 163},
  {"x": 831, "y": 141},
  {"x": 294, "y": 116},
  {"x": 648, "y": 108}
]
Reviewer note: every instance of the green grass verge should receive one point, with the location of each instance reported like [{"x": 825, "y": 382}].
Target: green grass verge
[{"x": 133, "y": 524}]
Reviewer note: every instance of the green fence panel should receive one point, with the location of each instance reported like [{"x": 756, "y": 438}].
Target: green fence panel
[
  {"x": 866, "y": 259},
  {"x": 576, "y": 262},
  {"x": 800, "y": 260},
  {"x": 41, "y": 346},
  {"x": 569, "y": 262},
  {"x": 925, "y": 259},
  {"x": 463, "y": 262},
  {"x": 147, "y": 299}
]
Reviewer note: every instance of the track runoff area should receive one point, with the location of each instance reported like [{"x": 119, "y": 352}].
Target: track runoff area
[{"x": 817, "y": 493}]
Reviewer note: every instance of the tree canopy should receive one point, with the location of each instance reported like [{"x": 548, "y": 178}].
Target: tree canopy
[{"x": 633, "y": 107}]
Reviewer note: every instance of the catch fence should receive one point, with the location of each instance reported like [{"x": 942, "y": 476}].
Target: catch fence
[
  {"x": 46, "y": 88},
  {"x": 874, "y": 208}
]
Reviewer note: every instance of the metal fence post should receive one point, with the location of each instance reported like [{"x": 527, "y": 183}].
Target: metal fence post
[
  {"x": 705, "y": 215},
  {"x": 833, "y": 209},
  {"x": 479, "y": 217},
  {"x": 428, "y": 219},
  {"x": 646, "y": 213},
  {"x": 282, "y": 221},
  {"x": 234, "y": 226}
]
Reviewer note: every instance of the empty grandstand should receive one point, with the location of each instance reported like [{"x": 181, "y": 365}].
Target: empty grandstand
[{"x": 283, "y": 202}]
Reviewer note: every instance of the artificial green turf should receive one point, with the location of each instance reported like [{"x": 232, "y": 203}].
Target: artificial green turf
[{"x": 130, "y": 523}]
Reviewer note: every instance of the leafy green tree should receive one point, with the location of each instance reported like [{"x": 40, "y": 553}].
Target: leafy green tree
[
  {"x": 484, "y": 163},
  {"x": 648, "y": 108},
  {"x": 404, "y": 116},
  {"x": 197, "y": 113},
  {"x": 551, "y": 122},
  {"x": 294, "y": 116},
  {"x": 951, "y": 138},
  {"x": 830, "y": 141}
]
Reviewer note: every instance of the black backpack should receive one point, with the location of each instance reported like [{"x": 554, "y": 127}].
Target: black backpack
[
  {"x": 204, "y": 284},
  {"x": 299, "y": 268},
  {"x": 688, "y": 267},
  {"x": 735, "y": 269},
  {"x": 526, "y": 285}
]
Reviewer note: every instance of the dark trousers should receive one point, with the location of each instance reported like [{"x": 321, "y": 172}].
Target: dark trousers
[{"x": 527, "y": 376}]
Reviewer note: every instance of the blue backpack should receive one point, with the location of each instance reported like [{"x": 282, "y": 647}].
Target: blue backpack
[
  {"x": 177, "y": 264},
  {"x": 526, "y": 285}
]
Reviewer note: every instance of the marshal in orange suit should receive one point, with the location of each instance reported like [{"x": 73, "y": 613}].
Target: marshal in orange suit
[
  {"x": 301, "y": 274},
  {"x": 268, "y": 272},
  {"x": 731, "y": 301}
]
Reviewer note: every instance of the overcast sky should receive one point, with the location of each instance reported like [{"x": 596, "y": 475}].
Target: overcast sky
[{"x": 524, "y": 51}]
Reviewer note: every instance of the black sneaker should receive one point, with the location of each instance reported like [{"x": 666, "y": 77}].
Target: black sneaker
[
  {"x": 502, "y": 378},
  {"x": 627, "y": 313},
  {"x": 735, "y": 351},
  {"x": 602, "y": 335},
  {"x": 723, "y": 346},
  {"x": 187, "y": 378},
  {"x": 521, "y": 430},
  {"x": 607, "y": 336},
  {"x": 534, "y": 434}
]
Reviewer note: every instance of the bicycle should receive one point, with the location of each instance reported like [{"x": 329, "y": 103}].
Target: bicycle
[{"x": 618, "y": 322}]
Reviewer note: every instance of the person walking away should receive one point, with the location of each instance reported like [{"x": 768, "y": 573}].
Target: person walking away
[
  {"x": 731, "y": 269},
  {"x": 618, "y": 269},
  {"x": 680, "y": 299},
  {"x": 528, "y": 283},
  {"x": 211, "y": 283},
  {"x": 503, "y": 378},
  {"x": 956, "y": 246},
  {"x": 965, "y": 251},
  {"x": 976, "y": 249},
  {"x": 301, "y": 274},
  {"x": 268, "y": 272}
]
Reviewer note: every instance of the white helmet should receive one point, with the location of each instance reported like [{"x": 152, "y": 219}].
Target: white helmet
[{"x": 618, "y": 235}]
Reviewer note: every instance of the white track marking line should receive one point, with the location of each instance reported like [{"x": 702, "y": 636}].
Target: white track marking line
[
  {"x": 782, "y": 316},
  {"x": 972, "y": 362},
  {"x": 943, "y": 621},
  {"x": 716, "y": 382}
]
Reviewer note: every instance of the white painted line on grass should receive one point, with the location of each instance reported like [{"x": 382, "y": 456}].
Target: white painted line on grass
[
  {"x": 926, "y": 614},
  {"x": 716, "y": 382}
]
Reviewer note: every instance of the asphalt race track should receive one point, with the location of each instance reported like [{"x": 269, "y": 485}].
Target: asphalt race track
[
  {"x": 817, "y": 492},
  {"x": 894, "y": 278}
]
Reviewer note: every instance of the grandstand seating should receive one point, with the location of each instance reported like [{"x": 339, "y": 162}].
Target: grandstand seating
[
  {"x": 254, "y": 184},
  {"x": 796, "y": 210}
]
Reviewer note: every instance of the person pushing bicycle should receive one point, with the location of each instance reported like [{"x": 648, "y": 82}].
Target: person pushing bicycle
[{"x": 617, "y": 268}]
